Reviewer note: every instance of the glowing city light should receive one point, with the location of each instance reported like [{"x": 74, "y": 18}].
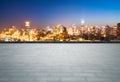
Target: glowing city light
[
  {"x": 82, "y": 21},
  {"x": 27, "y": 23},
  {"x": 60, "y": 33}
]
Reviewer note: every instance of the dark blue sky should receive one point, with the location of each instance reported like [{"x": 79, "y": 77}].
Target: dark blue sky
[{"x": 52, "y": 12}]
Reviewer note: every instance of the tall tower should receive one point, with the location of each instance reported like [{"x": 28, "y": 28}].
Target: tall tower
[
  {"x": 82, "y": 26},
  {"x": 118, "y": 30},
  {"x": 27, "y": 27}
]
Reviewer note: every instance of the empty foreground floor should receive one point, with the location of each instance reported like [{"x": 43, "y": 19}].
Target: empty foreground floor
[{"x": 59, "y": 62}]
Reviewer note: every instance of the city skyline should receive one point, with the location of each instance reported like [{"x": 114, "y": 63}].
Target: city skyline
[{"x": 54, "y": 12}]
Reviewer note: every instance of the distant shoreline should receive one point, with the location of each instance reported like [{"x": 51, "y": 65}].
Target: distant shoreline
[{"x": 66, "y": 42}]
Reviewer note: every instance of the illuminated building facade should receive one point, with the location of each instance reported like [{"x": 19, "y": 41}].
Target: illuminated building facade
[
  {"x": 26, "y": 35},
  {"x": 118, "y": 31},
  {"x": 27, "y": 27},
  {"x": 61, "y": 33}
]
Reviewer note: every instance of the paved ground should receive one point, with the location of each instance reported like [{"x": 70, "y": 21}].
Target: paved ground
[{"x": 59, "y": 62}]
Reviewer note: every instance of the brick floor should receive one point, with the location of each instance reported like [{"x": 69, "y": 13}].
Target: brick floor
[{"x": 59, "y": 62}]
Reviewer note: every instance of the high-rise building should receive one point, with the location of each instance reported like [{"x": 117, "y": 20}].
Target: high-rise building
[
  {"x": 27, "y": 27},
  {"x": 118, "y": 30},
  {"x": 27, "y": 24},
  {"x": 60, "y": 29},
  {"x": 75, "y": 30}
]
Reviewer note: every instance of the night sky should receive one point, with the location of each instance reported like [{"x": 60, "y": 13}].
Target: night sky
[{"x": 53, "y": 12}]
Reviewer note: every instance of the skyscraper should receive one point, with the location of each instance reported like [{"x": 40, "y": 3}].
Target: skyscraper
[
  {"x": 27, "y": 27},
  {"x": 118, "y": 30}
]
